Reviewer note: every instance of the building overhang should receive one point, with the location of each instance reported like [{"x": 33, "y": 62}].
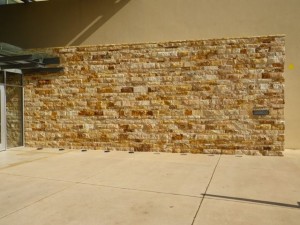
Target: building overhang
[{"x": 13, "y": 58}]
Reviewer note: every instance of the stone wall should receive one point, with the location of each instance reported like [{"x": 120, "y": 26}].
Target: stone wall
[{"x": 182, "y": 96}]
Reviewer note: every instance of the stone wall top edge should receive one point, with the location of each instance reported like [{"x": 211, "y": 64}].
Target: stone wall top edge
[{"x": 166, "y": 42}]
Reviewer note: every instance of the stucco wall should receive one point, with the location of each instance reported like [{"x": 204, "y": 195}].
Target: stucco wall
[
  {"x": 81, "y": 22},
  {"x": 185, "y": 96}
]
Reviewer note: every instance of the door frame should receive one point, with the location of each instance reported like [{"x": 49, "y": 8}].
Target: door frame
[{"x": 3, "y": 117}]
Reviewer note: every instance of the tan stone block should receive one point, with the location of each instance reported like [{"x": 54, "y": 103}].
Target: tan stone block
[
  {"x": 183, "y": 53},
  {"x": 188, "y": 112},
  {"x": 177, "y": 137},
  {"x": 86, "y": 112},
  {"x": 228, "y": 152},
  {"x": 142, "y": 148},
  {"x": 105, "y": 90},
  {"x": 138, "y": 113}
]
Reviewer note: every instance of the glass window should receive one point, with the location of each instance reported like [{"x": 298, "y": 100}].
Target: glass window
[
  {"x": 13, "y": 79},
  {"x": 14, "y": 108},
  {"x": 14, "y": 116},
  {"x": 5, "y": 2},
  {"x": 1, "y": 77}
]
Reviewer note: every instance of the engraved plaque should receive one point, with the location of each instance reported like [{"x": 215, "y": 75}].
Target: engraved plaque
[{"x": 260, "y": 112}]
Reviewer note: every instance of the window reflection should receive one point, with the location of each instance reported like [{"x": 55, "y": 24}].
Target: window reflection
[
  {"x": 14, "y": 108},
  {"x": 14, "y": 116}
]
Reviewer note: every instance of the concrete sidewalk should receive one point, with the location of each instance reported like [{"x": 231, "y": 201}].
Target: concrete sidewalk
[{"x": 72, "y": 187}]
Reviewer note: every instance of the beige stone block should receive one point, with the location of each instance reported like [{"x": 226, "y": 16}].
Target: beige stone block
[
  {"x": 110, "y": 113},
  {"x": 167, "y": 54},
  {"x": 212, "y": 151},
  {"x": 140, "y": 89}
]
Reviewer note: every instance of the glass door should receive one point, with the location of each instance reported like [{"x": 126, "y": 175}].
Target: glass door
[
  {"x": 14, "y": 110},
  {"x": 2, "y": 119}
]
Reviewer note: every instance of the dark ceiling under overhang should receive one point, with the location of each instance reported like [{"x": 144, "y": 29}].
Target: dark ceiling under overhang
[{"x": 28, "y": 62}]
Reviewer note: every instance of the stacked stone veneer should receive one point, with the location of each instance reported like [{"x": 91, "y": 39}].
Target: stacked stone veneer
[{"x": 183, "y": 96}]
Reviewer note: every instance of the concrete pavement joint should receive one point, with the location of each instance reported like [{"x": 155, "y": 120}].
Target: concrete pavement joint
[
  {"x": 251, "y": 201},
  {"x": 32, "y": 203},
  {"x": 201, "y": 201},
  {"x": 22, "y": 163},
  {"x": 101, "y": 185},
  {"x": 61, "y": 190},
  {"x": 282, "y": 208},
  {"x": 142, "y": 190},
  {"x": 29, "y": 161},
  {"x": 41, "y": 178}
]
